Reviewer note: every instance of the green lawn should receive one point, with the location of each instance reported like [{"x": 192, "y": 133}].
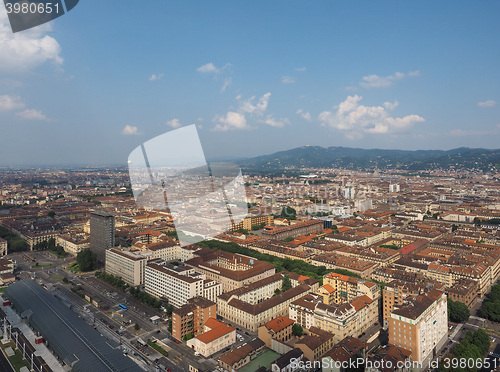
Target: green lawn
[
  {"x": 18, "y": 362},
  {"x": 73, "y": 267},
  {"x": 58, "y": 277},
  {"x": 2, "y": 289},
  {"x": 158, "y": 348}
]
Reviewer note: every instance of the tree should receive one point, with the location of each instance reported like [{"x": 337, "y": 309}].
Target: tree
[
  {"x": 286, "y": 283},
  {"x": 51, "y": 214},
  {"x": 457, "y": 311},
  {"x": 297, "y": 330},
  {"x": 137, "y": 326},
  {"x": 289, "y": 213},
  {"x": 86, "y": 259}
]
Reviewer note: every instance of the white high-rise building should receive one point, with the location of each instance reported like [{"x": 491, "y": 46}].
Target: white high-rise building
[{"x": 394, "y": 187}]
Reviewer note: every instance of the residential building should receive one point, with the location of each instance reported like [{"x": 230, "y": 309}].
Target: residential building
[
  {"x": 73, "y": 243},
  {"x": 217, "y": 336},
  {"x": 290, "y": 362},
  {"x": 397, "y": 358},
  {"x": 300, "y": 228},
  {"x": 251, "y": 221},
  {"x": 191, "y": 318},
  {"x": 342, "y": 352},
  {"x": 346, "y": 319},
  {"x": 126, "y": 265},
  {"x": 420, "y": 325},
  {"x": 316, "y": 343},
  {"x": 252, "y": 306},
  {"x": 230, "y": 269},
  {"x": 279, "y": 329},
  {"x": 178, "y": 283},
  {"x": 464, "y": 291},
  {"x": 348, "y": 288},
  {"x": 239, "y": 356}
]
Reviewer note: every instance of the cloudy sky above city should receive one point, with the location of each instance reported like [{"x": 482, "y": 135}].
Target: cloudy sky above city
[{"x": 255, "y": 76}]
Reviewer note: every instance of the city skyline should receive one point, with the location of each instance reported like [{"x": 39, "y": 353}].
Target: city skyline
[{"x": 256, "y": 78}]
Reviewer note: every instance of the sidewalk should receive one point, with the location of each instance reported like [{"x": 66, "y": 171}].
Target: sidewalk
[{"x": 41, "y": 350}]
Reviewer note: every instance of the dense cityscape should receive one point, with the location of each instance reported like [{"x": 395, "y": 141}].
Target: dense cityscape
[
  {"x": 249, "y": 186},
  {"x": 331, "y": 269}
]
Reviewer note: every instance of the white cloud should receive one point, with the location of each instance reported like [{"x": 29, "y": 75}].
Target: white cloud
[
  {"x": 375, "y": 81},
  {"x": 278, "y": 123},
  {"x": 487, "y": 104},
  {"x": 174, "y": 123},
  {"x": 288, "y": 79},
  {"x": 28, "y": 49},
  {"x": 208, "y": 68},
  {"x": 354, "y": 118},
  {"x": 227, "y": 83},
  {"x": 130, "y": 130},
  {"x": 304, "y": 115},
  {"x": 8, "y": 103},
  {"x": 30, "y": 114},
  {"x": 259, "y": 108},
  {"x": 154, "y": 77},
  {"x": 223, "y": 73},
  {"x": 232, "y": 120},
  {"x": 237, "y": 119},
  {"x": 300, "y": 69}
]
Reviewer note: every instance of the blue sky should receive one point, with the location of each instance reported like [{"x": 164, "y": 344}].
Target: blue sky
[{"x": 255, "y": 76}]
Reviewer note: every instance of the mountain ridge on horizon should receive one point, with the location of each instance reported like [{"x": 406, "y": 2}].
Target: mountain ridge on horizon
[{"x": 356, "y": 158}]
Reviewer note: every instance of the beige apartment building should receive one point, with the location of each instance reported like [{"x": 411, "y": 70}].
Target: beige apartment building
[
  {"x": 347, "y": 319},
  {"x": 230, "y": 269},
  {"x": 178, "y": 283},
  {"x": 217, "y": 336},
  {"x": 248, "y": 222},
  {"x": 257, "y": 304},
  {"x": 279, "y": 329},
  {"x": 126, "y": 265},
  {"x": 73, "y": 244},
  {"x": 420, "y": 326},
  {"x": 348, "y": 288}
]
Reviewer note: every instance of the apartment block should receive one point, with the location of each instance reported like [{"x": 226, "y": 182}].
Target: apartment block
[
  {"x": 217, "y": 336},
  {"x": 250, "y": 221},
  {"x": 177, "y": 283},
  {"x": 257, "y": 304},
  {"x": 230, "y": 269},
  {"x": 420, "y": 325},
  {"x": 192, "y": 317},
  {"x": 300, "y": 228},
  {"x": 348, "y": 288},
  {"x": 124, "y": 264},
  {"x": 464, "y": 291},
  {"x": 279, "y": 329},
  {"x": 346, "y": 319}
]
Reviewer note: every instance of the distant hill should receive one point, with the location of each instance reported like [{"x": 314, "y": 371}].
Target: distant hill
[{"x": 356, "y": 158}]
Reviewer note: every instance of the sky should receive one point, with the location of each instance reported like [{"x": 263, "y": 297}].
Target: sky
[{"x": 255, "y": 77}]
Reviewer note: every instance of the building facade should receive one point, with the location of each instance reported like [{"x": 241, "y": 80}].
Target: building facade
[
  {"x": 102, "y": 233},
  {"x": 420, "y": 325},
  {"x": 129, "y": 266}
]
